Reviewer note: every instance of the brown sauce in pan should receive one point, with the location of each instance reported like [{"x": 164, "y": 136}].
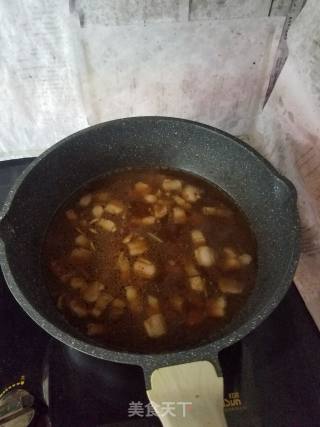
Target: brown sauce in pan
[{"x": 149, "y": 260}]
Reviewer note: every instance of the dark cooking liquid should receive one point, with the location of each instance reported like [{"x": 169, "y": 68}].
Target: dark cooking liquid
[{"x": 169, "y": 249}]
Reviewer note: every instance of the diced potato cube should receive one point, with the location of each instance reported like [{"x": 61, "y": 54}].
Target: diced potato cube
[
  {"x": 123, "y": 265},
  {"x": 191, "y": 269},
  {"x": 153, "y": 302},
  {"x": 103, "y": 300},
  {"x": 179, "y": 215},
  {"x": 148, "y": 220},
  {"x": 127, "y": 238},
  {"x": 160, "y": 210},
  {"x": 144, "y": 268},
  {"x": 80, "y": 256},
  {"x": 177, "y": 303},
  {"x": 197, "y": 283},
  {"x": 82, "y": 240},
  {"x": 94, "y": 329},
  {"x": 101, "y": 196},
  {"x": 97, "y": 211},
  {"x": 114, "y": 207},
  {"x": 142, "y": 188},
  {"x": 191, "y": 194},
  {"x": 204, "y": 256},
  {"x": 150, "y": 198},
  {"x": 245, "y": 259},
  {"x": 85, "y": 200},
  {"x": 71, "y": 215},
  {"x": 131, "y": 293},
  {"x": 198, "y": 238},
  {"x": 101, "y": 304},
  {"x": 172, "y": 185},
  {"x": 181, "y": 202},
  {"x": 216, "y": 306},
  {"x": 78, "y": 308},
  {"x": 134, "y": 299},
  {"x": 155, "y": 325},
  {"x": 92, "y": 292},
  {"x": 78, "y": 283},
  {"x": 107, "y": 225},
  {"x": 228, "y": 285},
  {"x": 138, "y": 246}
]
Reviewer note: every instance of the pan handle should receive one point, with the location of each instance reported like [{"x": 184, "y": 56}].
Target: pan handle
[{"x": 188, "y": 395}]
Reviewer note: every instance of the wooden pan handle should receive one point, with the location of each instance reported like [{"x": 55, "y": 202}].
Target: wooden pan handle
[{"x": 188, "y": 395}]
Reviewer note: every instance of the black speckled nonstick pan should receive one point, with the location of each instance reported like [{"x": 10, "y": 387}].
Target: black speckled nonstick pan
[{"x": 267, "y": 198}]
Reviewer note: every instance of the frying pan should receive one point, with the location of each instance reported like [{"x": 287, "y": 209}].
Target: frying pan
[{"x": 268, "y": 200}]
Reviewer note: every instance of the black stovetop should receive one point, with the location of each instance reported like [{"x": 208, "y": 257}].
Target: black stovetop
[{"x": 272, "y": 377}]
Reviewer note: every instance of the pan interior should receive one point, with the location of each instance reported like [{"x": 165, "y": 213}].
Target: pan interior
[{"x": 267, "y": 200}]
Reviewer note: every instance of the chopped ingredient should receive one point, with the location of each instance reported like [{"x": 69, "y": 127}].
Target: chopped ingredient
[
  {"x": 155, "y": 325},
  {"x": 245, "y": 259},
  {"x": 107, "y": 225},
  {"x": 154, "y": 237},
  {"x": 142, "y": 188},
  {"x": 153, "y": 302},
  {"x": 181, "y": 202},
  {"x": 101, "y": 196},
  {"x": 172, "y": 185},
  {"x": 101, "y": 304},
  {"x": 229, "y": 285},
  {"x": 160, "y": 210},
  {"x": 123, "y": 265},
  {"x": 204, "y": 256},
  {"x": 134, "y": 299},
  {"x": 85, "y": 200},
  {"x": 144, "y": 268},
  {"x": 216, "y": 306},
  {"x": 78, "y": 283},
  {"x": 150, "y": 198},
  {"x": 115, "y": 207},
  {"x": 137, "y": 246},
  {"x": 197, "y": 238},
  {"x": 217, "y": 211},
  {"x": 82, "y": 240},
  {"x": 97, "y": 211},
  {"x": 191, "y": 269},
  {"x": 179, "y": 215},
  {"x": 80, "y": 256},
  {"x": 78, "y": 308},
  {"x": 148, "y": 220},
  {"x": 191, "y": 194},
  {"x": 197, "y": 284},
  {"x": 91, "y": 293}
]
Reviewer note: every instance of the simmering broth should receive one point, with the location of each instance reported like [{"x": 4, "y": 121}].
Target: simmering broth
[{"x": 149, "y": 260}]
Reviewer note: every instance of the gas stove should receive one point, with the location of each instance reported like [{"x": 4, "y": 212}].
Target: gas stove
[{"x": 272, "y": 377}]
